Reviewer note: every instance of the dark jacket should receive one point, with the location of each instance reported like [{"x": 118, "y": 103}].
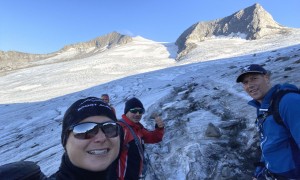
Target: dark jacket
[
  {"x": 67, "y": 171},
  {"x": 21, "y": 170}
]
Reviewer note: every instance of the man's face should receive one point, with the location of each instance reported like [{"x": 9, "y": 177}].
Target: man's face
[
  {"x": 256, "y": 85},
  {"x": 135, "y": 114},
  {"x": 105, "y": 99}
]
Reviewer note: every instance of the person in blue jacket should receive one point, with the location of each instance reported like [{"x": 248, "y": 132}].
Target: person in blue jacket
[{"x": 280, "y": 144}]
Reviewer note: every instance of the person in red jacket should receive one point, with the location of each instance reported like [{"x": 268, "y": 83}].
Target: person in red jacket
[{"x": 132, "y": 164}]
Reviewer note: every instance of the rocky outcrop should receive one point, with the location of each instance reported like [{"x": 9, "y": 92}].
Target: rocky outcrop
[
  {"x": 212, "y": 140},
  {"x": 107, "y": 41},
  {"x": 13, "y": 60},
  {"x": 253, "y": 21}
]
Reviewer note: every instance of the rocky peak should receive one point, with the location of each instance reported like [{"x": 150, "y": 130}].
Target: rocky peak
[
  {"x": 254, "y": 22},
  {"x": 12, "y": 60},
  {"x": 107, "y": 41}
]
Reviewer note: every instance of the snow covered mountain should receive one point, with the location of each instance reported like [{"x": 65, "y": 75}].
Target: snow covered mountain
[
  {"x": 210, "y": 131},
  {"x": 253, "y": 23},
  {"x": 13, "y": 60}
]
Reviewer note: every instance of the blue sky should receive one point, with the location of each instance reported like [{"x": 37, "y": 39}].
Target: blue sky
[{"x": 46, "y": 26}]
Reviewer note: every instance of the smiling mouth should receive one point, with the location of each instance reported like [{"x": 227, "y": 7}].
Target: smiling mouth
[
  {"x": 98, "y": 152},
  {"x": 253, "y": 91}
]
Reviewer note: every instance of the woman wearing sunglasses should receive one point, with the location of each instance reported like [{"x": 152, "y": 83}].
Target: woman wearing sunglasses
[
  {"x": 90, "y": 137},
  {"x": 91, "y": 140},
  {"x": 132, "y": 163}
]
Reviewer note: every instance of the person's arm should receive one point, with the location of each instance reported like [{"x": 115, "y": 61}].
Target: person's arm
[
  {"x": 159, "y": 122},
  {"x": 152, "y": 137},
  {"x": 156, "y": 135}
]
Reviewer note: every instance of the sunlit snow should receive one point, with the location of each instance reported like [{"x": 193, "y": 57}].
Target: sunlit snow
[{"x": 33, "y": 100}]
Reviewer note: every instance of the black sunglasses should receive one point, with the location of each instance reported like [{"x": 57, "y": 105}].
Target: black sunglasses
[
  {"x": 135, "y": 110},
  {"x": 88, "y": 130}
]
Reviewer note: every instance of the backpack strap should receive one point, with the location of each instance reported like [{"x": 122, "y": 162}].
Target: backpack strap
[
  {"x": 274, "y": 108},
  {"x": 139, "y": 145},
  {"x": 136, "y": 139}
]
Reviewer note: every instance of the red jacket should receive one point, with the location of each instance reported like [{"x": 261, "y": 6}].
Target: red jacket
[{"x": 130, "y": 162}]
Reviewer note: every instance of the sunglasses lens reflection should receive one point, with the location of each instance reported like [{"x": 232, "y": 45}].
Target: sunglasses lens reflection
[
  {"x": 134, "y": 111},
  {"x": 89, "y": 130}
]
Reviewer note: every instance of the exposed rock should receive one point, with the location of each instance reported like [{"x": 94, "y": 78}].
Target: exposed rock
[
  {"x": 227, "y": 148},
  {"x": 212, "y": 131},
  {"x": 13, "y": 60},
  {"x": 107, "y": 41},
  {"x": 253, "y": 21}
]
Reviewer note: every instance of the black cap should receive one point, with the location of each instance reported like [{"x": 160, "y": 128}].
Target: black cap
[
  {"x": 133, "y": 103},
  {"x": 81, "y": 109},
  {"x": 253, "y": 68}
]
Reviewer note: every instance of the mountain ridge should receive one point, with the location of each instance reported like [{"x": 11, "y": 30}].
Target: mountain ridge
[
  {"x": 13, "y": 60},
  {"x": 253, "y": 21}
]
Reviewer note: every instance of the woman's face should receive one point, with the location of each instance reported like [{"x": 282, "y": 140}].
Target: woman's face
[{"x": 95, "y": 153}]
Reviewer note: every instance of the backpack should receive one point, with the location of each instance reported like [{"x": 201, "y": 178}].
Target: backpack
[
  {"x": 21, "y": 170},
  {"x": 140, "y": 148},
  {"x": 274, "y": 107}
]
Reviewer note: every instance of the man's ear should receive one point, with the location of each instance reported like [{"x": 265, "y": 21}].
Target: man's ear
[{"x": 267, "y": 78}]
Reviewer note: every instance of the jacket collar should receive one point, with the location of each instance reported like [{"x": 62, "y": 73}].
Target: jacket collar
[
  {"x": 129, "y": 122},
  {"x": 267, "y": 99}
]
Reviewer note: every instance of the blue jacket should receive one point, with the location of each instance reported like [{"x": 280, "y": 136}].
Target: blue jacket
[{"x": 280, "y": 144}]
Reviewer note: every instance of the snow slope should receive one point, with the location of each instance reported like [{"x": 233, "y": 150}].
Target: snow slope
[{"x": 189, "y": 95}]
